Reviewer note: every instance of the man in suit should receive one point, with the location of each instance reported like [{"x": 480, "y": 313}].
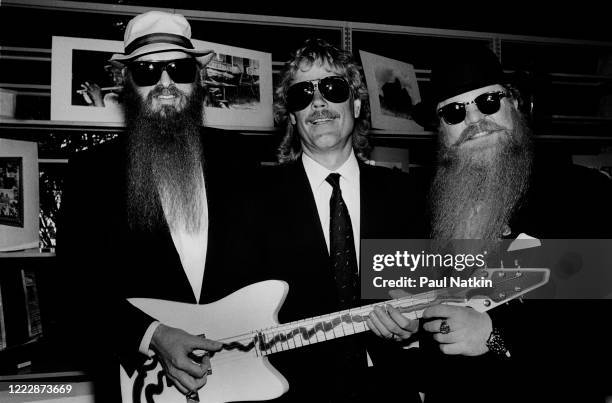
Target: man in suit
[
  {"x": 490, "y": 185},
  {"x": 319, "y": 203},
  {"x": 155, "y": 213}
]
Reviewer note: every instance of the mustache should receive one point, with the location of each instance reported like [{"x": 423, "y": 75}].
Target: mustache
[
  {"x": 322, "y": 114},
  {"x": 480, "y": 126},
  {"x": 165, "y": 91}
]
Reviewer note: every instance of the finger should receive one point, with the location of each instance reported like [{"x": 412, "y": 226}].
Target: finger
[
  {"x": 200, "y": 382},
  {"x": 451, "y": 349},
  {"x": 196, "y": 342},
  {"x": 177, "y": 383},
  {"x": 373, "y": 327},
  {"x": 384, "y": 331},
  {"x": 433, "y": 326},
  {"x": 187, "y": 363},
  {"x": 444, "y": 338},
  {"x": 441, "y": 311},
  {"x": 406, "y": 324},
  {"x": 397, "y": 323},
  {"x": 388, "y": 322},
  {"x": 206, "y": 365},
  {"x": 187, "y": 381}
]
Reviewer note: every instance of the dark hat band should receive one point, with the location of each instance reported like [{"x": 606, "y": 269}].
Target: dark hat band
[{"x": 144, "y": 40}]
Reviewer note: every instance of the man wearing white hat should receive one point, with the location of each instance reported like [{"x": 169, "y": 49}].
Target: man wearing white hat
[{"x": 167, "y": 201}]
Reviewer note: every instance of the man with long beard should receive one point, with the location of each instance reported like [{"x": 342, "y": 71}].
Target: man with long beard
[
  {"x": 167, "y": 203},
  {"x": 477, "y": 186},
  {"x": 491, "y": 185}
]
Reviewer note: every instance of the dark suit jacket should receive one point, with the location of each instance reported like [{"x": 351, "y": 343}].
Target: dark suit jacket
[
  {"x": 294, "y": 250},
  {"x": 554, "y": 343},
  {"x": 106, "y": 262}
]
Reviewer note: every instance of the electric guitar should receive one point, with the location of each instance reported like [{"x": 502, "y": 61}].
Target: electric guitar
[{"x": 246, "y": 323}]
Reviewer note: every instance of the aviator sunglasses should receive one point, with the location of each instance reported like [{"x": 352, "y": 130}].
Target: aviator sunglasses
[
  {"x": 487, "y": 103},
  {"x": 333, "y": 88},
  {"x": 146, "y": 73}
]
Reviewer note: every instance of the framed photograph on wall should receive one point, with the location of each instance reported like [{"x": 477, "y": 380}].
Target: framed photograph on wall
[
  {"x": 238, "y": 84},
  {"x": 19, "y": 198},
  {"x": 11, "y": 191},
  {"x": 85, "y": 86},
  {"x": 393, "y": 90}
]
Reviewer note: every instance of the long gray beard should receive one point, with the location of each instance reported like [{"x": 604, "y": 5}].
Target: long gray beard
[
  {"x": 474, "y": 198},
  {"x": 165, "y": 180}
]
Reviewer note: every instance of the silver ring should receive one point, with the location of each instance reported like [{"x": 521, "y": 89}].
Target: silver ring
[{"x": 444, "y": 327}]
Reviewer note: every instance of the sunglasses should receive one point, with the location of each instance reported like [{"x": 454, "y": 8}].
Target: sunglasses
[
  {"x": 333, "y": 88},
  {"x": 146, "y": 73},
  {"x": 487, "y": 103}
]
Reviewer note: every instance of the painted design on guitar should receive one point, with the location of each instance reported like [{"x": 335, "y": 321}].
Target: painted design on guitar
[{"x": 241, "y": 368}]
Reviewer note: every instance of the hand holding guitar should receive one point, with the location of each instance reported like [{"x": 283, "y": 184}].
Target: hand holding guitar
[
  {"x": 176, "y": 350},
  {"x": 459, "y": 330},
  {"x": 389, "y": 323}
]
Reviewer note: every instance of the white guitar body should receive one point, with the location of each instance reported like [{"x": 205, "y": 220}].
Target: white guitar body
[{"x": 236, "y": 375}]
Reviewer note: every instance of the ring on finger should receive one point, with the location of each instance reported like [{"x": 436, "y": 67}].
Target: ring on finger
[{"x": 444, "y": 327}]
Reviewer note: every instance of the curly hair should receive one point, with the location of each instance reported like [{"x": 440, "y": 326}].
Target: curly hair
[{"x": 319, "y": 51}]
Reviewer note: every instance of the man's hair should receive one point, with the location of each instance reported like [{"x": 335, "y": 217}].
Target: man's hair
[{"x": 313, "y": 51}]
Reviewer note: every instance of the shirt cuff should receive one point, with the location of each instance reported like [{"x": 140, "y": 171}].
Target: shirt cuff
[{"x": 146, "y": 339}]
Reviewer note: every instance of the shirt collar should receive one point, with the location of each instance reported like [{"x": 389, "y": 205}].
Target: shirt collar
[{"x": 317, "y": 173}]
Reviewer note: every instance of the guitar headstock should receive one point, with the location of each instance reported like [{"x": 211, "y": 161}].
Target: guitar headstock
[{"x": 504, "y": 285}]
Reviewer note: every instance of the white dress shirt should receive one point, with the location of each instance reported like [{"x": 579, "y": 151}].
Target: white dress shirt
[
  {"x": 322, "y": 191},
  {"x": 191, "y": 249}
]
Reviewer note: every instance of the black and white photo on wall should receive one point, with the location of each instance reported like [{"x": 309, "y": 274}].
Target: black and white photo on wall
[
  {"x": 86, "y": 84},
  {"x": 393, "y": 90},
  {"x": 11, "y": 191}
]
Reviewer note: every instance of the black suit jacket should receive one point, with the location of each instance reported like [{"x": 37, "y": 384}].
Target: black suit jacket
[
  {"x": 554, "y": 343},
  {"x": 105, "y": 261},
  {"x": 294, "y": 250}
]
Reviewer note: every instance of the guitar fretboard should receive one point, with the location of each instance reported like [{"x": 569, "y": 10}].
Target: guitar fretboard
[
  {"x": 507, "y": 284},
  {"x": 305, "y": 332}
]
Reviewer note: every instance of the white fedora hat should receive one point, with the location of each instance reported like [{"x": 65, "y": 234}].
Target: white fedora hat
[{"x": 158, "y": 31}]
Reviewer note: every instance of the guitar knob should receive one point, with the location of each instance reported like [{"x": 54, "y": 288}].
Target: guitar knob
[
  {"x": 502, "y": 295},
  {"x": 487, "y": 303},
  {"x": 517, "y": 289}
]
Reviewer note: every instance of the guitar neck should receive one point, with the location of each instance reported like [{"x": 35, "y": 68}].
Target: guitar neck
[
  {"x": 505, "y": 284},
  {"x": 335, "y": 325}
]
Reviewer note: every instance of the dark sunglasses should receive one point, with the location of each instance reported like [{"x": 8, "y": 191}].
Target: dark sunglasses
[
  {"x": 333, "y": 88},
  {"x": 487, "y": 103},
  {"x": 146, "y": 73}
]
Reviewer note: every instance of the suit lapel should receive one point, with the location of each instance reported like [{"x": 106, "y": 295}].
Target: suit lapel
[
  {"x": 304, "y": 198},
  {"x": 368, "y": 200}
]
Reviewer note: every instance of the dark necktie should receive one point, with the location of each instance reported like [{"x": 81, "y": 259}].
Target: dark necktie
[
  {"x": 342, "y": 247},
  {"x": 351, "y": 353}
]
